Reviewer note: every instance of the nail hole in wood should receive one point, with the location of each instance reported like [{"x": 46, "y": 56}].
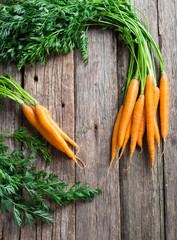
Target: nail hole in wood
[
  {"x": 96, "y": 127},
  {"x": 63, "y": 105},
  {"x": 36, "y": 78}
]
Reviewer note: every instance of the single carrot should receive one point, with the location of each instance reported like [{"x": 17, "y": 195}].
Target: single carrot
[
  {"x": 32, "y": 119},
  {"x": 115, "y": 134},
  {"x": 141, "y": 130},
  {"x": 128, "y": 109},
  {"x": 156, "y": 128},
  {"x": 156, "y": 133},
  {"x": 156, "y": 92},
  {"x": 127, "y": 136},
  {"x": 114, "y": 141},
  {"x": 164, "y": 104},
  {"x": 149, "y": 106},
  {"x": 136, "y": 121},
  {"x": 63, "y": 134},
  {"x": 46, "y": 124},
  {"x": 45, "y": 110}
]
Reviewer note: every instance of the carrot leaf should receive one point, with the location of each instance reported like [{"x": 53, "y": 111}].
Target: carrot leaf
[{"x": 19, "y": 175}]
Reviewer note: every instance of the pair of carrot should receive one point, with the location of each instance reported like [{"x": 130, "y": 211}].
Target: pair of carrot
[
  {"x": 39, "y": 117},
  {"x": 134, "y": 116},
  {"x": 121, "y": 132}
]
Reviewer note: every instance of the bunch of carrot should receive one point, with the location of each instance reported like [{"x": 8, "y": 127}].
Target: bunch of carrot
[
  {"x": 138, "y": 113},
  {"x": 38, "y": 116}
]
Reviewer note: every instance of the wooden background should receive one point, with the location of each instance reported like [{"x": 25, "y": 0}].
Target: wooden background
[{"x": 85, "y": 101}]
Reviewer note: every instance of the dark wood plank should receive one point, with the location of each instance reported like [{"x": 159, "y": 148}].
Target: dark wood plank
[
  {"x": 142, "y": 210},
  {"x": 53, "y": 86},
  {"x": 96, "y": 92},
  {"x": 10, "y": 118},
  {"x": 168, "y": 35}
]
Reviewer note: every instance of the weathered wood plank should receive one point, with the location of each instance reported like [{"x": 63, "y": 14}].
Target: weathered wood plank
[
  {"x": 97, "y": 96},
  {"x": 168, "y": 35},
  {"x": 142, "y": 214},
  {"x": 10, "y": 118},
  {"x": 96, "y": 92},
  {"x": 53, "y": 86}
]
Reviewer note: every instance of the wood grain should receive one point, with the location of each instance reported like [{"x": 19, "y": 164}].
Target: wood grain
[
  {"x": 10, "y": 118},
  {"x": 96, "y": 91},
  {"x": 168, "y": 36},
  {"x": 53, "y": 86},
  {"x": 84, "y": 100}
]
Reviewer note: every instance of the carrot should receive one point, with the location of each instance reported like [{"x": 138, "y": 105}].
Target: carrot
[
  {"x": 136, "y": 121},
  {"x": 45, "y": 110},
  {"x": 164, "y": 104},
  {"x": 128, "y": 109},
  {"x": 141, "y": 130},
  {"x": 156, "y": 133},
  {"x": 46, "y": 124},
  {"x": 156, "y": 128},
  {"x": 63, "y": 134},
  {"x": 156, "y": 92},
  {"x": 32, "y": 119},
  {"x": 114, "y": 141},
  {"x": 149, "y": 100},
  {"x": 115, "y": 134},
  {"x": 127, "y": 136}
]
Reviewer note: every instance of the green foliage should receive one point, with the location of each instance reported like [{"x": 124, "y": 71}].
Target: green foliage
[
  {"x": 30, "y": 30},
  {"x": 1, "y": 102},
  {"x": 31, "y": 142},
  {"x": 42, "y": 27},
  {"x": 17, "y": 176}
]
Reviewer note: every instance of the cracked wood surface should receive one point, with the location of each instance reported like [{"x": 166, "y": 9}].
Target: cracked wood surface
[{"x": 84, "y": 100}]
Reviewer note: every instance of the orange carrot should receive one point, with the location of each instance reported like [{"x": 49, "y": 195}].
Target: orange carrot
[
  {"x": 45, "y": 110},
  {"x": 136, "y": 121},
  {"x": 164, "y": 104},
  {"x": 63, "y": 134},
  {"x": 156, "y": 133},
  {"x": 32, "y": 119},
  {"x": 127, "y": 136},
  {"x": 128, "y": 109},
  {"x": 156, "y": 91},
  {"x": 156, "y": 128},
  {"x": 46, "y": 124},
  {"x": 149, "y": 106},
  {"x": 115, "y": 134},
  {"x": 141, "y": 130}
]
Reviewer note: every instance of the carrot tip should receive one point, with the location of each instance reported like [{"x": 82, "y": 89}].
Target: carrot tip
[
  {"x": 130, "y": 158},
  {"x": 152, "y": 171},
  {"x": 78, "y": 150}
]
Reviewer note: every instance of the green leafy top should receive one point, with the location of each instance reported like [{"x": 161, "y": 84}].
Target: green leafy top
[
  {"x": 30, "y": 141},
  {"x": 17, "y": 175},
  {"x": 30, "y": 30}
]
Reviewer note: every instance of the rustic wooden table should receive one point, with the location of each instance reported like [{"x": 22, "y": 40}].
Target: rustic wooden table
[{"x": 84, "y": 101}]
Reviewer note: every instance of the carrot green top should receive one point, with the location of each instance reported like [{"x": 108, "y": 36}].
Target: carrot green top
[{"x": 8, "y": 82}]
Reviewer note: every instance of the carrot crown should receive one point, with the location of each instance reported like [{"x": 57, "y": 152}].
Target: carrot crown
[
  {"x": 10, "y": 83},
  {"x": 6, "y": 92}
]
